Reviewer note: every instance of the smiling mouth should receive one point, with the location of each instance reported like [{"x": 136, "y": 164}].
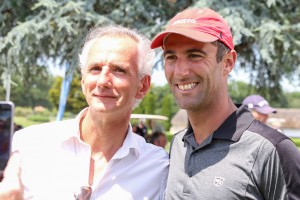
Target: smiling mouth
[
  {"x": 186, "y": 87},
  {"x": 102, "y": 96}
]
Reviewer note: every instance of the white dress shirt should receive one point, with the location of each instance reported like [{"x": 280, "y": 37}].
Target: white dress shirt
[{"x": 55, "y": 164}]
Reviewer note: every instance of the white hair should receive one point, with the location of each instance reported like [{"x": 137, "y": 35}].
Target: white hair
[{"x": 146, "y": 54}]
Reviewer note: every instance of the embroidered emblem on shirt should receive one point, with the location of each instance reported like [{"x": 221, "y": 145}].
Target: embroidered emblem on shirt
[{"x": 219, "y": 181}]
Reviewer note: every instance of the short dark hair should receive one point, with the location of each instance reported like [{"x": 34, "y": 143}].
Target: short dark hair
[
  {"x": 155, "y": 136},
  {"x": 222, "y": 50}
]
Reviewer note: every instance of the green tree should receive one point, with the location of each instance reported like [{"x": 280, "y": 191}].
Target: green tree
[
  {"x": 293, "y": 100},
  {"x": 266, "y": 33},
  {"x": 167, "y": 109},
  {"x": 160, "y": 92},
  {"x": 54, "y": 91},
  {"x": 238, "y": 90},
  {"x": 159, "y": 101},
  {"x": 34, "y": 32},
  {"x": 30, "y": 92},
  {"x": 148, "y": 104},
  {"x": 76, "y": 100}
]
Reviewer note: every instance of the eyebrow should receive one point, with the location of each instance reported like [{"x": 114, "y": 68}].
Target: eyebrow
[
  {"x": 94, "y": 64},
  {"x": 187, "y": 51}
]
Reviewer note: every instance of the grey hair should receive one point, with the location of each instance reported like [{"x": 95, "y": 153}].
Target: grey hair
[
  {"x": 146, "y": 54},
  {"x": 222, "y": 50}
]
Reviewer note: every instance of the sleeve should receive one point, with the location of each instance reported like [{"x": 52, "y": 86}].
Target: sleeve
[
  {"x": 290, "y": 162},
  {"x": 281, "y": 174},
  {"x": 163, "y": 186}
]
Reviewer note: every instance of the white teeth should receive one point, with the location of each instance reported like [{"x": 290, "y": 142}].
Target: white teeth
[{"x": 187, "y": 86}]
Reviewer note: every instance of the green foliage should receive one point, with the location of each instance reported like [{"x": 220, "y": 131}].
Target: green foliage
[
  {"x": 76, "y": 100},
  {"x": 23, "y": 111},
  {"x": 160, "y": 93},
  {"x": 158, "y": 101},
  {"x": 293, "y": 99},
  {"x": 167, "y": 109},
  {"x": 169, "y": 136},
  {"x": 54, "y": 92},
  {"x": 24, "y": 121},
  {"x": 239, "y": 90},
  {"x": 266, "y": 38},
  {"x": 39, "y": 118},
  {"x": 26, "y": 116},
  {"x": 149, "y": 103},
  {"x": 29, "y": 92},
  {"x": 32, "y": 33},
  {"x": 297, "y": 142}
]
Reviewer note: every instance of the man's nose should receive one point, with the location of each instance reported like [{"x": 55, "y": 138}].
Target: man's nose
[
  {"x": 181, "y": 69},
  {"x": 104, "y": 79}
]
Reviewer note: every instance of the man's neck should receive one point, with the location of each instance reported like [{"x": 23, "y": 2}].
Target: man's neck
[
  {"x": 205, "y": 121},
  {"x": 105, "y": 136}
]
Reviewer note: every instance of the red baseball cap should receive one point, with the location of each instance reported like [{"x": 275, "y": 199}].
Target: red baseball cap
[{"x": 203, "y": 25}]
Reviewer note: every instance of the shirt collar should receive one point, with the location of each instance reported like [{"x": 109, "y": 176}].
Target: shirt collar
[
  {"x": 232, "y": 128},
  {"x": 130, "y": 143},
  {"x": 74, "y": 129}
]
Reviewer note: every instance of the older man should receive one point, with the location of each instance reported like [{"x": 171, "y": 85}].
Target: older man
[{"x": 96, "y": 155}]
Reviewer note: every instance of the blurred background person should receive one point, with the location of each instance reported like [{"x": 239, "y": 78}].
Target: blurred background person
[
  {"x": 158, "y": 138},
  {"x": 142, "y": 129},
  {"x": 259, "y": 107}
]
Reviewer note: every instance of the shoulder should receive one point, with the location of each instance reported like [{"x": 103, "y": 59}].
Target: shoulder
[
  {"x": 282, "y": 154},
  {"x": 280, "y": 142},
  {"x": 44, "y": 133},
  {"x": 179, "y": 135},
  {"x": 285, "y": 149},
  {"x": 270, "y": 134},
  {"x": 45, "y": 128},
  {"x": 150, "y": 150}
]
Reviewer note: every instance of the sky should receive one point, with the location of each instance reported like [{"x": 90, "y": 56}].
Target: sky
[{"x": 158, "y": 78}]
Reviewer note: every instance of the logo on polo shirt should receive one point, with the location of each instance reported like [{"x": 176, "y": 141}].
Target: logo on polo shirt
[{"x": 219, "y": 181}]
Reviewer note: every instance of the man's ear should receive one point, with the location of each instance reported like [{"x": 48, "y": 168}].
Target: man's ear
[
  {"x": 229, "y": 60},
  {"x": 144, "y": 86}
]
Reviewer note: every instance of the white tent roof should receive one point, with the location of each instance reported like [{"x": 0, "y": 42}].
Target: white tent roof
[{"x": 145, "y": 116}]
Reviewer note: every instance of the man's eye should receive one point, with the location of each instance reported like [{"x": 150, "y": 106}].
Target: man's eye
[
  {"x": 120, "y": 70},
  {"x": 95, "y": 69},
  {"x": 195, "y": 56},
  {"x": 170, "y": 57}
]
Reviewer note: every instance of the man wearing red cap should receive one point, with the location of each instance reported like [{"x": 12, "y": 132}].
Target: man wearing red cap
[{"x": 224, "y": 153}]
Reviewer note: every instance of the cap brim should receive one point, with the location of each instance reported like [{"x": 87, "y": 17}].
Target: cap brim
[
  {"x": 190, "y": 33},
  {"x": 265, "y": 110}
]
